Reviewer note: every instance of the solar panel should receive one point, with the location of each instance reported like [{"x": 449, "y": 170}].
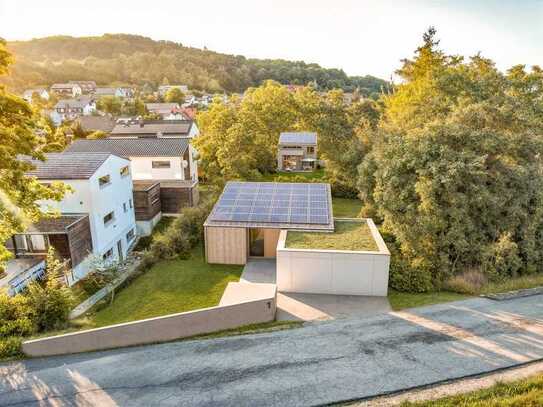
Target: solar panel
[{"x": 273, "y": 202}]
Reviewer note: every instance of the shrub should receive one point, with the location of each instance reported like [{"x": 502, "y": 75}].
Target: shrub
[
  {"x": 50, "y": 300},
  {"x": 403, "y": 277},
  {"x": 469, "y": 282},
  {"x": 16, "y": 316},
  {"x": 10, "y": 347}
]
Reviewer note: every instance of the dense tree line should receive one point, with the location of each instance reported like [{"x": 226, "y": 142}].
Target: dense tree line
[
  {"x": 449, "y": 163},
  {"x": 131, "y": 59}
]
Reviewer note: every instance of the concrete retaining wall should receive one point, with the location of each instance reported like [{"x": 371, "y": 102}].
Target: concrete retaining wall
[
  {"x": 334, "y": 271},
  {"x": 154, "y": 330}
]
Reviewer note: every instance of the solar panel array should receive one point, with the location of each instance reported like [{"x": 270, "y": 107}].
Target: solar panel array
[{"x": 273, "y": 202}]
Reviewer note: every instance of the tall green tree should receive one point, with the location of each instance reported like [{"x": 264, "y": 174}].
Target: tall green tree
[
  {"x": 21, "y": 133},
  {"x": 455, "y": 170},
  {"x": 174, "y": 95}
]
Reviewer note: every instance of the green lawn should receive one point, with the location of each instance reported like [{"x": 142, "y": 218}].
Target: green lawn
[
  {"x": 347, "y": 236},
  {"x": 169, "y": 287},
  {"x": 525, "y": 392},
  {"x": 346, "y": 208},
  {"x": 400, "y": 300},
  {"x": 513, "y": 284}
]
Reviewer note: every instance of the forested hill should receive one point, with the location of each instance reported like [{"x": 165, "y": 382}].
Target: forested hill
[{"x": 132, "y": 59}]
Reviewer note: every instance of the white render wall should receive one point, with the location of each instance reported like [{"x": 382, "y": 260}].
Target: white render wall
[
  {"x": 338, "y": 272},
  {"x": 142, "y": 168},
  {"x": 88, "y": 197}
]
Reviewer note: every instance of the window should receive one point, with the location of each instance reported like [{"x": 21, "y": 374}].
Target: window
[
  {"x": 125, "y": 171},
  {"x": 310, "y": 150},
  {"x": 109, "y": 218},
  {"x": 160, "y": 164},
  {"x": 104, "y": 180},
  {"x": 130, "y": 235},
  {"x": 125, "y": 208},
  {"x": 130, "y": 203},
  {"x": 108, "y": 254}
]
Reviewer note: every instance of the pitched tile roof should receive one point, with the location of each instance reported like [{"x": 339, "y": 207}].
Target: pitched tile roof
[
  {"x": 67, "y": 165},
  {"x": 94, "y": 123},
  {"x": 169, "y": 127},
  {"x": 161, "y": 106},
  {"x": 298, "y": 137},
  {"x": 140, "y": 147},
  {"x": 80, "y": 102}
]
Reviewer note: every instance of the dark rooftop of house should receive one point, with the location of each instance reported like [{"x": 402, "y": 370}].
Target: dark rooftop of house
[
  {"x": 136, "y": 147},
  {"x": 180, "y": 128},
  {"x": 142, "y": 185},
  {"x": 67, "y": 165},
  {"x": 54, "y": 225},
  {"x": 97, "y": 123},
  {"x": 298, "y": 137},
  {"x": 301, "y": 206}
]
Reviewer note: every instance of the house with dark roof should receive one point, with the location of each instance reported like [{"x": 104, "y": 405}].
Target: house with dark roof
[
  {"x": 160, "y": 167},
  {"x": 67, "y": 89},
  {"x": 104, "y": 123},
  {"x": 297, "y": 151},
  {"x": 70, "y": 109},
  {"x": 155, "y": 128},
  {"x": 94, "y": 220},
  {"x": 120, "y": 92}
]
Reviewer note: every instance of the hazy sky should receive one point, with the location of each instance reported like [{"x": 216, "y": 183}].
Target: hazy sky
[{"x": 359, "y": 36}]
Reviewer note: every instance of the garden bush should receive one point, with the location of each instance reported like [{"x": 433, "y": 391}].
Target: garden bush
[{"x": 10, "y": 347}]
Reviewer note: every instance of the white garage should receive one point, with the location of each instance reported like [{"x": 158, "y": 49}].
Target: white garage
[{"x": 328, "y": 271}]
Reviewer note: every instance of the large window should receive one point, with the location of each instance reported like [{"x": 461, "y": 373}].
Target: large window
[
  {"x": 310, "y": 150},
  {"x": 160, "y": 164},
  {"x": 109, "y": 218},
  {"x": 130, "y": 235},
  {"x": 104, "y": 180},
  {"x": 125, "y": 171}
]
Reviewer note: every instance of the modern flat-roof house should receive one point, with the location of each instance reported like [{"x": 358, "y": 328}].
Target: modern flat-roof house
[
  {"x": 164, "y": 173},
  {"x": 293, "y": 223},
  {"x": 69, "y": 89},
  {"x": 96, "y": 217},
  {"x": 297, "y": 151},
  {"x": 158, "y": 128}
]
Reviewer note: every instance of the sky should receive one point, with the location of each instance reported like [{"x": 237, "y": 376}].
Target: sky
[{"x": 359, "y": 36}]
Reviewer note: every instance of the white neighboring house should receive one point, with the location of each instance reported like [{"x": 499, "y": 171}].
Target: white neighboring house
[
  {"x": 163, "y": 89},
  {"x": 122, "y": 92},
  {"x": 70, "y": 109},
  {"x": 69, "y": 89},
  {"x": 96, "y": 218},
  {"x": 41, "y": 92},
  {"x": 164, "y": 171}
]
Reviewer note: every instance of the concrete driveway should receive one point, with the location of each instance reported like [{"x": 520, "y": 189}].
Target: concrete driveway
[
  {"x": 311, "y": 307},
  {"x": 320, "y": 363}
]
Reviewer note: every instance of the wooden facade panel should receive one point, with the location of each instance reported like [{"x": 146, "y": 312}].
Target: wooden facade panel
[
  {"x": 80, "y": 241},
  {"x": 147, "y": 204},
  {"x": 226, "y": 245},
  {"x": 271, "y": 236},
  {"x": 61, "y": 245},
  {"x": 174, "y": 198}
]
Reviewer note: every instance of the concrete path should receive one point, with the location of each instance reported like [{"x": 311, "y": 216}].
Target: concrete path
[
  {"x": 311, "y": 307},
  {"x": 320, "y": 363}
]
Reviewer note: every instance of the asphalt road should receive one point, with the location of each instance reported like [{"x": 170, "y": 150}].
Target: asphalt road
[{"x": 321, "y": 363}]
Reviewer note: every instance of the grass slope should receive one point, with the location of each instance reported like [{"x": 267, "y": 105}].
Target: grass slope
[
  {"x": 169, "y": 287},
  {"x": 526, "y": 392}
]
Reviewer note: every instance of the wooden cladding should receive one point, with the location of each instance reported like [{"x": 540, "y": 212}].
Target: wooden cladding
[
  {"x": 226, "y": 245},
  {"x": 173, "y": 198},
  {"x": 147, "y": 203},
  {"x": 79, "y": 241}
]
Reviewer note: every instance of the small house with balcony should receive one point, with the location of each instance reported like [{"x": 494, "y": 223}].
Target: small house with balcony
[
  {"x": 297, "y": 151},
  {"x": 94, "y": 219}
]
